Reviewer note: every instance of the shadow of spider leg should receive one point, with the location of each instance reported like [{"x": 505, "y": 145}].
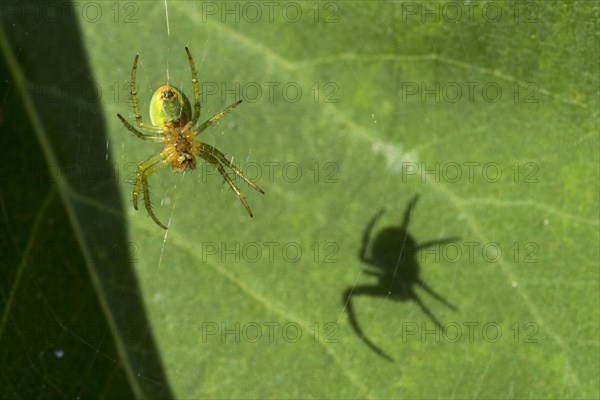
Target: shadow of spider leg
[
  {"x": 428, "y": 289},
  {"x": 358, "y": 291},
  {"x": 417, "y": 299}
]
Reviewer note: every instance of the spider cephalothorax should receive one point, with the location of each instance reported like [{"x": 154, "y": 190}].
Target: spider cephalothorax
[
  {"x": 180, "y": 148},
  {"x": 173, "y": 124}
]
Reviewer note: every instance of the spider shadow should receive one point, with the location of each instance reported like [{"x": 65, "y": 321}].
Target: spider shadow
[
  {"x": 81, "y": 278},
  {"x": 394, "y": 257}
]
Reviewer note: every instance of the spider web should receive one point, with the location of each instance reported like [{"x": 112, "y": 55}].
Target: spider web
[{"x": 371, "y": 134}]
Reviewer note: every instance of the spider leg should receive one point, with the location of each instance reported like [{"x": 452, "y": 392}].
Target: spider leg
[
  {"x": 196, "y": 88},
  {"x": 218, "y": 116},
  {"x": 138, "y": 133},
  {"x": 148, "y": 204},
  {"x": 134, "y": 100},
  {"x": 213, "y": 160},
  {"x": 145, "y": 169},
  {"x": 207, "y": 148}
]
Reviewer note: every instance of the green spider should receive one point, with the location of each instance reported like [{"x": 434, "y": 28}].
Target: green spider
[{"x": 173, "y": 124}]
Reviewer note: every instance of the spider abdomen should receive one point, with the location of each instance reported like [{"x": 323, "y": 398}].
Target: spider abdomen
[{"x": 169, "y": 106}]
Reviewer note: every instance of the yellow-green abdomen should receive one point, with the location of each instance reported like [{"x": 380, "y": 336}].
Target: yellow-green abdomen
[{"x": 169, "y": 105}]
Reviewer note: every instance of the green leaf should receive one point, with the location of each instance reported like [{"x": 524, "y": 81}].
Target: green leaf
[{"x": 396, "y": 100}]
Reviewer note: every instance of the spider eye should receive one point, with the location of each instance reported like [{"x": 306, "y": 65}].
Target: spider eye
[{"x": 168, "y": 94}]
